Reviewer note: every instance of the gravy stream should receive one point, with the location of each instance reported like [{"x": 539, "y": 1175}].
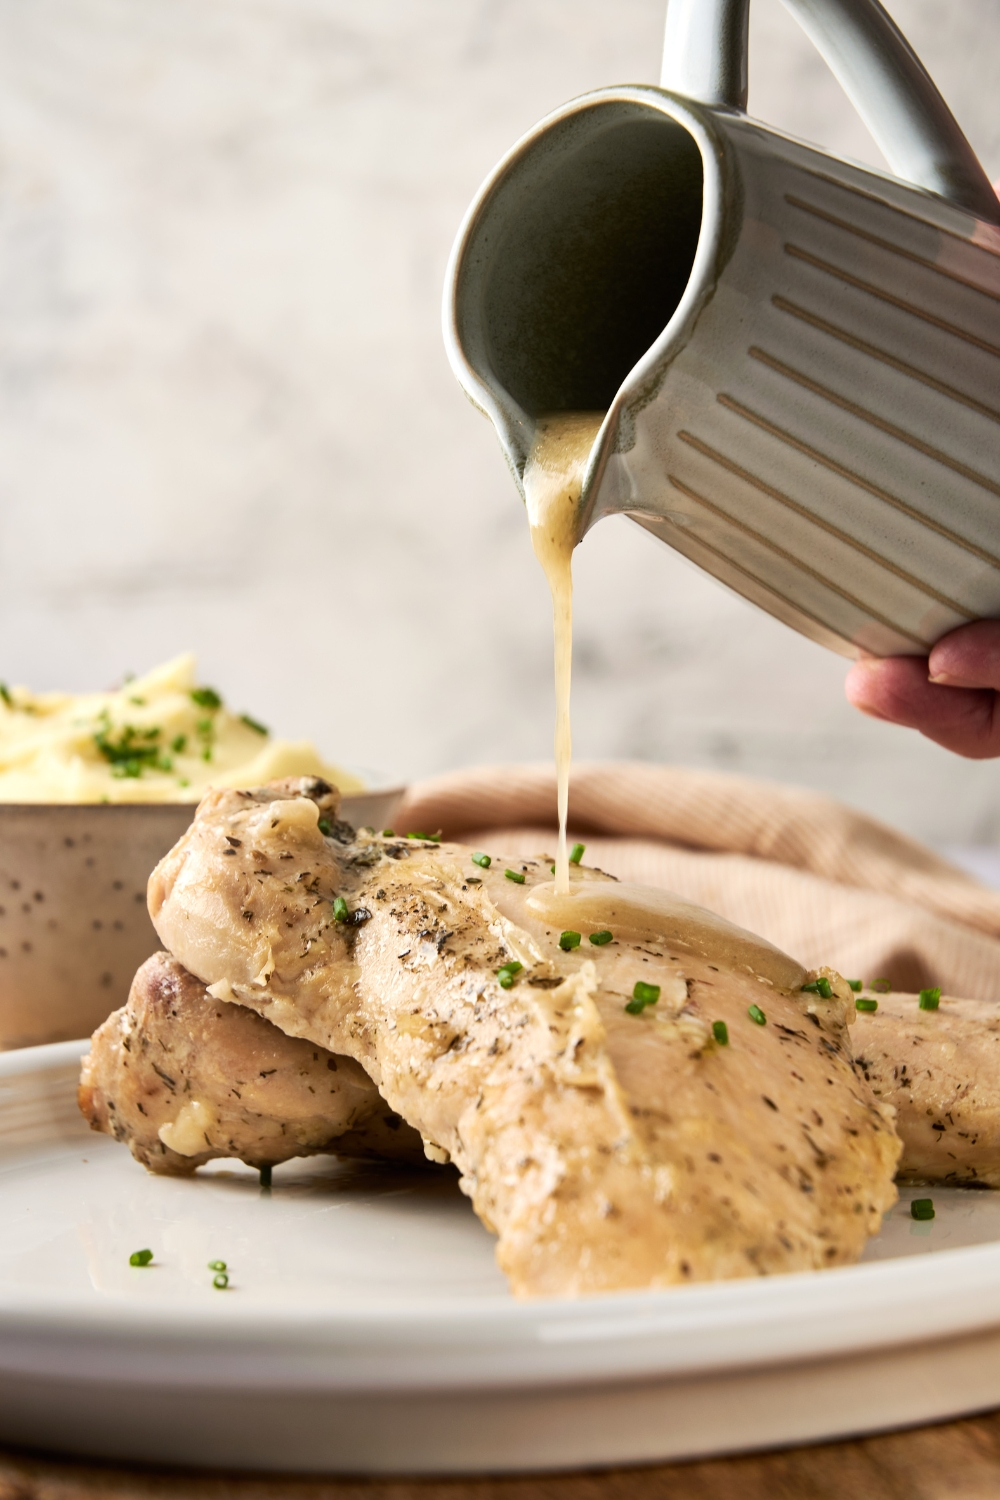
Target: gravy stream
[{"x": 553, "y": 481}]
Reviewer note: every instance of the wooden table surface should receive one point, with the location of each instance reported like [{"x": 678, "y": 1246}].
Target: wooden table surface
[{"x": 957, "y": 1461}]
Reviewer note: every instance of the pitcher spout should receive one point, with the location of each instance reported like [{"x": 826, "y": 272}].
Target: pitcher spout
[{"x": 572, "y": 270}]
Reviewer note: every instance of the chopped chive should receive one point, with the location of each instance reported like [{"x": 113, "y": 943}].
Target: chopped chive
[
  {"x": 515, "y": 875},
  {"x": 863, "y": 1004},
  {"x": 507, "y": 973},
  {"x": 178, "y": 743},
  {"x": 642, "y": 995},
  {"x": 856, "y": 984},
  {"x": 569, "y": 940},
  {"x": 602, "y": 937},
  {"x": 482, "y": 860},
  {"x": 340, "y": 912},
  {"x": 5, "y": 695},
  {"x": 720, "y": 1032},
  {"x": 819, "y": 987},
  {"x": 576, "y": 853},
  {"x": 265, "y": 1179},
  {"x": 930, "y": 999},
  {"x": 552, "y": 868},
  {"x": 217, "y": 1265},
  {"x": 221, "y": 1281},
  {"x": 140, "y": 1257},
  {"x": 206, "y": 697},
  {"x": 882, "y": 985},
  {"x": 922, "y": 1208},
  {"x": 756, "y": 1014},
  {"x": 427, "y": 838},
  {"x": 325, "y": 827},
  {"x": 254, "y": 724}
]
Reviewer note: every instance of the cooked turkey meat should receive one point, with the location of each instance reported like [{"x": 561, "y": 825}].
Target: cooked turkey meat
[
  {"x": 940, "y": 1070},
  {"x": 606, "y": 1149},
  {"x": 182, "y": 1078}
]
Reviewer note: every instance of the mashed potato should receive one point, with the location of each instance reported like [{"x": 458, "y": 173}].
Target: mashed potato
[{"x": 160, "y": 738}]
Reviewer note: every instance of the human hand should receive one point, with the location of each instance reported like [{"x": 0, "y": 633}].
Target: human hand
[{"x": 952, "y": 696}]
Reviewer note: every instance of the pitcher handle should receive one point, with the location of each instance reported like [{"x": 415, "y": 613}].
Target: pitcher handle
[{"x": 705, "y": 57}]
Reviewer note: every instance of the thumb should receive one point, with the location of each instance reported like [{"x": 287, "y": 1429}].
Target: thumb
[{"x": 969, "y": 657}]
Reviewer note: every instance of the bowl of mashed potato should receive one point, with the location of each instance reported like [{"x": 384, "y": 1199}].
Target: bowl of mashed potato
[{"x": 94, "y": 789}]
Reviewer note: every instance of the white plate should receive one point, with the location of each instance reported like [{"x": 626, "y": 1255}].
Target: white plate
[
  {"x": 375, "y": 807},
  {"x": 366, "y": 1328}
]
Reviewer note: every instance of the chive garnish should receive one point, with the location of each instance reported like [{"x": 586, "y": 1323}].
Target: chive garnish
[
  {"x": 254, "y": 724},
  {"x": 206, "y": 697},
  {"x": 507, "y": 973},
  {"x": 265, "y": 1176},
  {"x": 515, "y": 875},
  {"x": 140, "y": 1257},
  {"x": 720, "y": 1031},
  {"x": 134, "y": 750},
  {"x": 178, "y": 743},
  {"x": 387, "y": 833},
  {"x": 863, "y": 1004},
  {"x": 856, "y": 984},
  {"x": 221, "y": 1281},
  {"x": 882, "y": 985},
  {"x": 217, "y": 1265},
  {"x": 5, "y": 695},
  {"x": 427, "y": 838},
  {"x": 922, "y": 1208},
  {"x": 819, "y": 987},
  {"x": 642, "y": 995},
  {"x": 569, "y": 940},
  {"x": 930, "y": 999},
  {"x": 756, "y": 1014},
  {"x": 482, "y": 860},
  {"x": 325, "y": 827},
  {"x": 576, "y": 853},
  {"x": 340, "y": 912},
  {"x": 600, "y": 938}
]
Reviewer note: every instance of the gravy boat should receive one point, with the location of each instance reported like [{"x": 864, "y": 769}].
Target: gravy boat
[{"x": 799, "y": 358}]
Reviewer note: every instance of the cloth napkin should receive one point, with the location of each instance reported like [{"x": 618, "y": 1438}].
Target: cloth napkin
[{"x": 825, "y": 883}]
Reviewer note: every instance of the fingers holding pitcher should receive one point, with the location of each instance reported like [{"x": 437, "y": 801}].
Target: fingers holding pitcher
[{"x": 950, "y": 696}]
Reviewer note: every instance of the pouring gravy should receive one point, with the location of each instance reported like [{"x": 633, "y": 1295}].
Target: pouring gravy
[{"x": 553, "y": 481}]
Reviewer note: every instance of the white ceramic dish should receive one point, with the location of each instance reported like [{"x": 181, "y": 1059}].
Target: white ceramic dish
[{"x": 366, "y": 1328}]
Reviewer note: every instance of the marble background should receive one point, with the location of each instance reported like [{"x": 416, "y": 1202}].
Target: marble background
[{"x": 227, "y": 422}]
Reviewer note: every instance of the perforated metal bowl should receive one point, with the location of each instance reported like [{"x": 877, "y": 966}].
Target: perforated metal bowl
[{"x": 73, "y": 920}]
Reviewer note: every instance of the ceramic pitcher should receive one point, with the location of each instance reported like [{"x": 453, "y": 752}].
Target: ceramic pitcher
[{"x": 799, "y": 358}]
